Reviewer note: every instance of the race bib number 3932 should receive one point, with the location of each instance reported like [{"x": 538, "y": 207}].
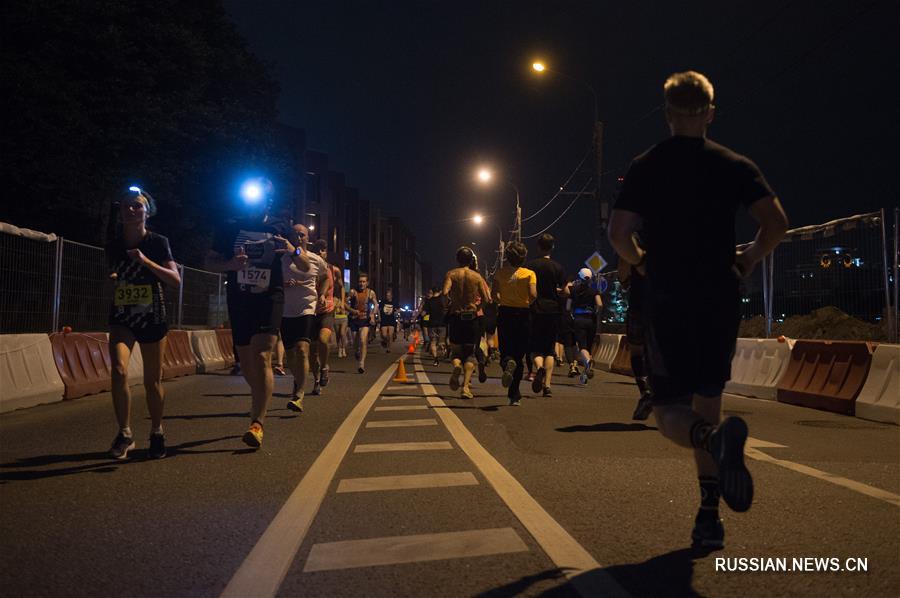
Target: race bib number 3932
[
  {"x": 134, "y": 294},
  {"x": 254, "y": 277}
]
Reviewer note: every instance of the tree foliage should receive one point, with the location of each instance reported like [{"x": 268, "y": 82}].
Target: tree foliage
[{"x": 101, "y": 94}]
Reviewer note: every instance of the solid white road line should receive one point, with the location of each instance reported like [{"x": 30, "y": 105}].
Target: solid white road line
[
  {"x": 406, "y": 387},
  {"x": 403, "y": 408},
  {"x": 402, "y": 446},
  {"x": 871, "y": 491},
  {"x": 402, "y": 423},
  {"x": 264, "y": 569},
  {"x": 407, "y": 482},
  {"x": 565, "y": 552},
  {"x": 413, "y": 549}
]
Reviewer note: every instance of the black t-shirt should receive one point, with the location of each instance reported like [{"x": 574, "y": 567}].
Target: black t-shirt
[
  {"x": 387, "y": 311},
  {"x": 583, "y": 302},
  {"x": 138, "y": 299},
  {"x": 436, "y": 310},
  {"x": 263, "y": 273},
  {"x": 550, "y": 276},
  {"x": 687, "y": 191}
]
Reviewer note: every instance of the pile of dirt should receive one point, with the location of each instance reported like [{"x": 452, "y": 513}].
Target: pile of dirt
[{"x": 825, "y": 323}]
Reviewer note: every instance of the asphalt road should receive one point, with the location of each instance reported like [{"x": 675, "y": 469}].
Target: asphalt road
[{"x": 330, "y": 506}]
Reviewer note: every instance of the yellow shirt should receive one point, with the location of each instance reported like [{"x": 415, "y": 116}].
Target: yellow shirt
[{"x": 513, "y": 284}]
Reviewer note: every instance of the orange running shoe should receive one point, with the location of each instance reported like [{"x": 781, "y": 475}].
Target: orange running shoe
[{"x": 254, "y": 436}]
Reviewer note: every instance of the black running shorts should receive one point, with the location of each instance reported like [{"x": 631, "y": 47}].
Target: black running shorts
[
  {"x": 462, "y": 332},
  {"x": 254, "y": 314},
  {"x": 152, "y": 333},
  {"x": 689, "y": 346},
  {"x": 584, "y": 329},
  {"x": 294, "y": 330},
  {"x": 544, "y": 331}
]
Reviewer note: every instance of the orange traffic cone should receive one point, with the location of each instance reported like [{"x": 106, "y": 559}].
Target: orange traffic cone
[
  {"x": 412, "y": 349},
  {"x": 400, "y": 376}
]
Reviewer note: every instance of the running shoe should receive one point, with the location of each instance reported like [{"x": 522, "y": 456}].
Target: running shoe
[
  {"x": 296, "y": 404},
  {"x": 317, "y": 389},
  {"x": 538, "y": 382},
  {"x": 531, "y": 376},
  {"x": 360, "y": 370},
  {"x": 437, "y": 362},
  {"x": 506, "y": 378},
  {"x": 548, "y": 394},
  {"x": 573, "y": 370},
  {"x": 157, "y": 446},
  {"x": 235, "y": 370},
  {"x": 515, "y": 401},
  {"x": 727, "y": 447},
  {"x": 323, "y": 377},
  {"x": 708, "y": 532},
  {"x": 466, "y": 393},
  {"x": 644, "y": 408},
  {"x": 254, "y": 436},
  {"x": 482, "y": 375},
  {"x": 278, "y": 370},
  {"x": 587, "y": 373},
  {"x": 454, "y": 378},
  {"x": 120, "y": 446}
]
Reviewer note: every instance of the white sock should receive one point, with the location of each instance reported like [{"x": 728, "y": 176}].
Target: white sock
[{"x": 126, "y": 432}]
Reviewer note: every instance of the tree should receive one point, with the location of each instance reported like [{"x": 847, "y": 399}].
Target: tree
[{"x": 103, "y": 94}]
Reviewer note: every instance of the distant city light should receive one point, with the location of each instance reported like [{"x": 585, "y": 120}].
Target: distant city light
[
  {"x": 312, "y": 227},
  {"x": 485, "y": 175},
  {"x": 539, "y": 67},
  {"x": 477, "y": 218},
  {"x": 134, "y": 189}
]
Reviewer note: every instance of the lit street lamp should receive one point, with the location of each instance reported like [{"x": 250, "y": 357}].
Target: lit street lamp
[
  {"x": 485, "y": 176},
  {"x": 540, "y": 68},
  {"x": 478, "y": 219}
]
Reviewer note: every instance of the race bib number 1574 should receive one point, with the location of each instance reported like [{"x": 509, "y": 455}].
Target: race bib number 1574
[{"x": 254, "y": 277}]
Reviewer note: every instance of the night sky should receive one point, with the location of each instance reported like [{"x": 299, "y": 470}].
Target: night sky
[{"x": 408, "y": 98}]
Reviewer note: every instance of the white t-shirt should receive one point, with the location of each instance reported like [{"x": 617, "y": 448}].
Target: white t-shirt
[{"x": 300, "y": 296}]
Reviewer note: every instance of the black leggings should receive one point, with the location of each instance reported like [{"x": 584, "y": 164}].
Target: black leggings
[{"x": 513, "y": 328}]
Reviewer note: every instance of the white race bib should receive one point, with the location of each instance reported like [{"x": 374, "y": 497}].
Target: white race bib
[{"x": 254, "y": 277}]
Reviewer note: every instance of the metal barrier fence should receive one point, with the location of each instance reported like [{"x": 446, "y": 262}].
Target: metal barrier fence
[
  {"x": 48, "y": 282},
  {"x": 842, "y": 274}
]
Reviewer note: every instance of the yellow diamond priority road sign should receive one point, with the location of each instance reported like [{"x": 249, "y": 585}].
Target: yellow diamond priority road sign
[{"x": 596, "y": 262}]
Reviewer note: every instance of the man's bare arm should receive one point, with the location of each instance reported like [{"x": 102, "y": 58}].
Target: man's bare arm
[
  {"x": 622, "y": 226},
  {"x": 773, "y": 223}
]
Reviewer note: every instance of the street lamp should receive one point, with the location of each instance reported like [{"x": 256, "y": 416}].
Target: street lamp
[
  {"x": 478, "y": 219},
  {"x": 485, "y": 176},
  {"x": 540, "y": 68}
]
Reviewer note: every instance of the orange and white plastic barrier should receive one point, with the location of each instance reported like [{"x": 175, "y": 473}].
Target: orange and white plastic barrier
[
  {"x": 826, "y": 375},
  {"x": 757, "y": 366},
  {"x": 606, "y": 351},
  {"x": 28, "y": 375},
  {"x": 879, "y": 399},
  {"x": 206, "y": 347}
]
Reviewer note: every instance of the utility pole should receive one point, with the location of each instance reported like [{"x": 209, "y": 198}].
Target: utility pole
[{"x": 602, "y": 204}]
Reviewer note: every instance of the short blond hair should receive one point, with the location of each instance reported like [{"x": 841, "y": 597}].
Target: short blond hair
[{"x": 689, "y": 93}]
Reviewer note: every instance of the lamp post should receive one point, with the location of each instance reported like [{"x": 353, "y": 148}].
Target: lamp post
[
  {"x": 478, "y": 219},
  {"x": 602, "y": 205},
  {"x": 485, "y": 176}
]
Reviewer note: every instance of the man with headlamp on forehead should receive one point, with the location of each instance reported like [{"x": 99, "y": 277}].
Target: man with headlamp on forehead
[{"x": 249, "y": 250}]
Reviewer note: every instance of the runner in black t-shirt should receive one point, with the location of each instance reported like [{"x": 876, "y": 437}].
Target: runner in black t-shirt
[
  {"x": 249, "y": 250},
  {"x": 545, "y": 313},
  {"x": 683, "y": 195},
  {"x": 387, "y": 315},
  {"x": 434, "y": 313},
  {"x": 140, "y": 261}
]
